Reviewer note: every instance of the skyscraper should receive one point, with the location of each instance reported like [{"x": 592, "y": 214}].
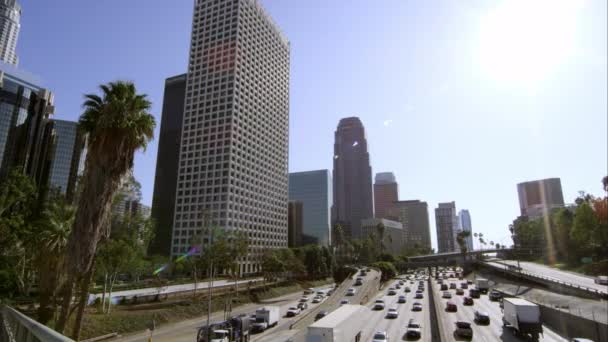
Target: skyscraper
[
  {"x": 234, "y": 148},
  {"x": 353, "y": 200},
  {"x": 447, "y": 227},
  {"x": 464, "y": 223},
  {"x": 10, "y": 16},
  {"x": 295, "y": 224},
  {"x": 67, "y": 156},
  {"x": 386, "y": 192},
  {"x": 537, "y": 198},
  {"x": 167, "y": 163},
  {"x": 414, "y": 216},
  {"x": 312, "y": 189}
]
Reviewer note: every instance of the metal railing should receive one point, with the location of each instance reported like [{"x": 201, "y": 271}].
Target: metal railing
[{"x": 17, "y": 327}]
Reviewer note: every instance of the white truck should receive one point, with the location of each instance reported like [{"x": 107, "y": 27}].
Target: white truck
[
  {"x": 482, "y": 284},
  {"x": 342, "y": 325},
  {"x": 266, "y": 317},
  {"x": 522, "y": 316}
]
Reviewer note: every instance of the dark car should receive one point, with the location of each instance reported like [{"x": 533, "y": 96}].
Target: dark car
[
  {"x": 413, "y": 330},
  {"x": 452, "y": 286},
  {"x": 474, "y": 293},
  {"x": 320, "y": 315},
  {"x": 495, "y": 295},
  {"x": 444, "y": 287},
  {"x": 419, "y": 296},
  {"x": 467, "y": 301},
  {"x": 417, "y": 306},
  {"x": 463, "y": 329},
  {"x": 464, "y": 286},
  {"x": 451, "y": 307},
  {"x": 459, "y": 292},
  {"x": 482, "y": 317}
]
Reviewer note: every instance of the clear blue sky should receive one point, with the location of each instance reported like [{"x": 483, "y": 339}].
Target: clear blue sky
[{"x": 460, "y": 99}]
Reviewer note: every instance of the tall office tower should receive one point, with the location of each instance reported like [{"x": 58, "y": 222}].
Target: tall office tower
[
  {"x": 353, "y": 199},
  {"x": 167, "y": 163},
  {"x": 234, "y": 149},
  {"x": 386, "y": 191},
  {"x": 537, "y": 198},
  {"x": 25, "y": 111},
  {"x": 10, "y": 16},
  {"x": 67, "y": 156},
  {"x": 447, "y": 227},
  {"x": 295, "y": 223},
  {"x": 414, "y": 216},
  {"x": 464, "y": 223},
  {"x": 312, "y": 189}
]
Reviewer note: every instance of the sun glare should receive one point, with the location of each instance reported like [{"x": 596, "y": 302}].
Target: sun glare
[{"x": 524, "y": 41}]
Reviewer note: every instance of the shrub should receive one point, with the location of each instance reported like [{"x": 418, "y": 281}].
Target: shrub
[{"x": 387, "y": 268}]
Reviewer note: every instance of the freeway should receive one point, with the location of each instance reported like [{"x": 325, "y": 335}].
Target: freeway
[
  {"x": 492, "y": 332},
  {"x": 553, "y": 273}
]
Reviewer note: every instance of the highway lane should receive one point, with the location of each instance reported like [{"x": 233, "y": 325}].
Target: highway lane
[
  {"x": 487, "y": 333},
  {"x": 549, "y": 272},
  {"x": 396, "y": 328}
]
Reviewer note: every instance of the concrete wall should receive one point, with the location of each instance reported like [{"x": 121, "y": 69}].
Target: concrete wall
[{"x": 571, "y": 326}]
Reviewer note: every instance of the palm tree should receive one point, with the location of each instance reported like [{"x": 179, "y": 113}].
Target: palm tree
[
  {"x": 118, "y": 124},
  {"x": 461, "y": 239}
]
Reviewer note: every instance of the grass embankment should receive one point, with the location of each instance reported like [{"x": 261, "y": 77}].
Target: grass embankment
[
  {"x": 591, "y": 269},
  {"x": 134, "y": 318}
]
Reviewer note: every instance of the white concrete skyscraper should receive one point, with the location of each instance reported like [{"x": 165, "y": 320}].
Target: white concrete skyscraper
[
  {"x": 10, "y": 16},
  {"x": 233, "y": 166}
]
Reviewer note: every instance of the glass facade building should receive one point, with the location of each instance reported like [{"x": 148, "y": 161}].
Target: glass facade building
[
  {"x": 313, "y": 190},
  {"x": 10, "y": 17},
  {"x": 67, "y": 158}
]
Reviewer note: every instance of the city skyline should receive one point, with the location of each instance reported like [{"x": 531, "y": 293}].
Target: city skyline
[{"x": 537, "y": 120}]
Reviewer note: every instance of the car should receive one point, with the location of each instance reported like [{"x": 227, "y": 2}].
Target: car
[
  {"x": 402, "y": 299},
  {"x": 413, "y": 330},
  {"x": 470, "y": 282},
  {"x": 391, "y": 292},
  {"x": 397, "y": 286},
  {"x": 380, "y": 336},
  {"x": 481, "y": 317},
  {"x": 401, "y": 282},
  {"x": 580, "y": 339},
  {"x": 601, "y": 280},
  {"x": 407, "y": 289},
  {"x": 467, "y": 301},
  {"x": 464, "y": 285},
  {"x": 344, "y": 301},
  {"x": 447, "y": 295},
  {"x": 459, "y": 292},
  {"x": 321, "y": 314},
  {"x": 417, "y": 306},
  {"x": 359, "y": 281},
  {"x": 495, "y": 295},
  {"x": 317, "y": 300},
  {"x": 444, "y": 287},
  {"x": 379, "y": 304},
  {"x": 392, "y": 313},
  {"x": 411, "y": 282},
  {"x": 474, "y": 293},
  {"x": 463, "y": 329},
  {"x": 351, "y": 292},
  {"x": 321, "y": 294},
  {"x": 302, "y": 306},
  {"x": 439, "y": 281},
  {"x": 451, "y": 306},
  {"x": 452, "y": 286},
  {"x": 419, "y": 296},
  {"x": 304, "y": 299},
  {"x": 309, "y": 291},
  {"x": 419, "y": 291},
  {"x": 292, "y": 311}
]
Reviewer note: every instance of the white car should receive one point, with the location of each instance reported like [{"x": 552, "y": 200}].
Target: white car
[
  {"x": 351, "y": 292},
  {"x": 413, "y": 330},
  {"x": 392, "y": 313},
  {"x": 379, "y": 304},
  {"x": 293, "y": 311},
  {"x": 304, "y": 299},
  {"x": 380, "y": 336},
  {"x": 446, "y": 294},
  {"x": 317, "y": 299}
]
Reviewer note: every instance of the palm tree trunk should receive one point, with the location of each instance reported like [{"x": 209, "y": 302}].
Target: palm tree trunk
[
  {"x": 84, "y": 296},
  {"x": 103, "y": 296},
  {"x": 66, "y": 303}
]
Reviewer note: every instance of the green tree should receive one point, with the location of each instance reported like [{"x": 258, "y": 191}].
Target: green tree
[
  {"x": 118, "y": 124},
  {"x": 388, "y": 270},
  {"x": 585, "y": 229},
  {"x": 114, "y": 257},
  {"x": 461, "y": 239},
  {"x": 562, "y": 222}
]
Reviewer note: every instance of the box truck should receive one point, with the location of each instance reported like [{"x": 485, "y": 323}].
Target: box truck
[
  {"x": 266, "y": 317},
  {"x": 342, "y": 325},
  {"x": 522, "y": 316},
  {"x": 482, "y": 285}
]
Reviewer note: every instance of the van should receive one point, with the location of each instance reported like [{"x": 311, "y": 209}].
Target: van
[{"x": 602, "y": 280}]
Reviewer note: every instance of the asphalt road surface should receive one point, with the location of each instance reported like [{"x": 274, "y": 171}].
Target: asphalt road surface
[
  {"x": 549, "y": 272},
  {"x": 487, "y": 333}
]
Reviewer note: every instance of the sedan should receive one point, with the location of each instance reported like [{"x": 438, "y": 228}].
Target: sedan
[
  {"x": 417, "y": 306},
  {"x": 392, "y": 292},
  {"x": 464, "y": 286},
  {"x": 392, "y": 313},
  {"x": 452, "y": 286},
  {"x": 320, "y": 315},
  {"x": 317, "y": 300},
  {"x": 463, "y": 329},
  {"x": 402, "y": 299},
  {"x": 419, "y": 296},
  {"x": 302, "y": 306},
  {"x": 351, "y": 292},
  {"x": 407, "y": 289},
  {"x": 467, "y": 301},
  {"x": 459, "y": 292},
  {"x": 379, "y": 305},
  {"x": 447, "y": 295},
  {"x": 380, "y": 336},
  {"x": 482, "y": 317},
  {"x": 451, "y": 307},
  {"x": 293, "y": 311},
  {"x": 495, "y": 295},
  {"x": 413, "y": 330},
  {"x": 344, "y": 301}
]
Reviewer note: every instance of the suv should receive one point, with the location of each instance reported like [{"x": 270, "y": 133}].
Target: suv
[
  {"x": 413, "y": 330},
  {"x": 467, "y": 301},
  {"x": 482, "y": 317},
  {"x": 451, "y": 307},
  {"x": 494, "y": 295},
  {"x": 359, "y": 281},
  {"x": 463, "y": 329},
  {"x": 444, "y": 287},
  {"x": 474, "y": 293},
  {"x": 452, "y": 286}
]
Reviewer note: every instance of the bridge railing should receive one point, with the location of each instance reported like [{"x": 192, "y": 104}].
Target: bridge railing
[{"x": 17, "y": 327}]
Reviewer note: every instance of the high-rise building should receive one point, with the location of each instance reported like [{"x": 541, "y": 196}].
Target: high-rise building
[
  {"x": 25, "y": 112},
  {"x": 167, "y": 163},
  {"x": 390, "y": 233},
  {"x": 353, "y": 199},
  {"x": 414, "y": 216},
  {"x": 67, "y": 156},
  {"x": 386, "y": 192},
  {"x": 537, "y": 198},
  {"x": 295, "y": 223},
  {"x": 10, "y": 17},
  {"x": 447, "y": 227},
  {"x": 464, "y": 224},
  {"x": 233, "y": 164},
  {"x": 312, "y": 189}
]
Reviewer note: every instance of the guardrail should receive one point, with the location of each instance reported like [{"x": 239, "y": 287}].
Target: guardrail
[
  {"x": 17, "y": 327},
  {"x": 524, "y": 274}
]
